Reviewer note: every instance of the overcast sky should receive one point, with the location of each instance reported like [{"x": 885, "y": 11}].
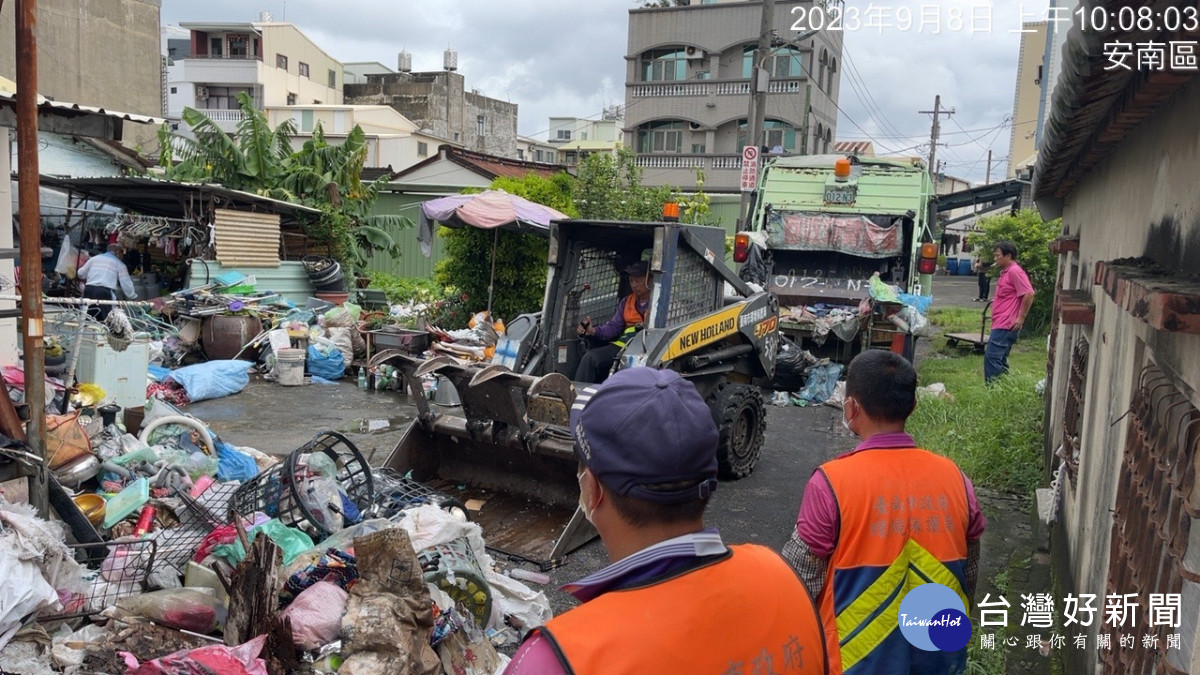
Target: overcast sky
[{"x": 566, "y": 58}]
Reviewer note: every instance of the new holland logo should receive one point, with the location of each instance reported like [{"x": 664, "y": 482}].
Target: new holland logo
[{"x": 702, "y": 332}]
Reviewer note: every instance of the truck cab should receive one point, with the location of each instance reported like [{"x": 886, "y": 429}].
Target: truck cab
[{"x": 828, "y": 224}]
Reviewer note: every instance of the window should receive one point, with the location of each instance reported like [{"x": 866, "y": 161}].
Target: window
[
  {"x": 697, "y": 148},
  {"x": 306, "y": 120},
  {"x": 829, "y": 80},
  {"x": 660, "y": 137},
  {"x": 479, "y": 125},
  {"x": 776, "y": 134},
  {"x": 520, "y": 153},
  {"x": 583, "y": 136},
  {"x": 173, "y": 90},
  {"x": 537, "y": 155},
  {"x": 303, "y": 69},
  {"x": 291, "y": 99},
  {"x": 456, "y": 136},
  {"x": 784, "y": 62},
  {"x": 214, "y": 46},
  {"x": 422, "y": 149},
  {"x": 572, "y": 158},
  {"x": 564, "y": 135},
  {"x": 332, "y": 79},
  {"x": 664, "y": 65},
  {"x": 281, "y": 61},
  {"x": 237, "y": 46}
]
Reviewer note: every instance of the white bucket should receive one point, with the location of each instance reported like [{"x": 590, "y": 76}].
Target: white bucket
[{"x": 289, "y": 364}]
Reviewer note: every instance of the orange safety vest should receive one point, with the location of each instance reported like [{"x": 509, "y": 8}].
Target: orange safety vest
[
  {"x": 633, "y": 319},
  {"x": 903, "y": 522},
  {"x": 747, "y": 612}
]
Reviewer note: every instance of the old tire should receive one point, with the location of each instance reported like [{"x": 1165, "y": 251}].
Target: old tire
[{"x": 740, "y": 415}]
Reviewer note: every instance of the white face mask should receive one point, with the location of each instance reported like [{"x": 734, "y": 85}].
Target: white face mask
[
  {"x": 846, "y": 422},
  {"x": 582, "y": 503}
]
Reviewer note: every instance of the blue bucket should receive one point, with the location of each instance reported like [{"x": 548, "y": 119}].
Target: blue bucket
[
  {"x": 964, "y": 266},
  {"x": 952, "y": 266}
]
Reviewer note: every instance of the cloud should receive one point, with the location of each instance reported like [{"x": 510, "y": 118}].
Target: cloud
[{"x": 563, "y": 58}]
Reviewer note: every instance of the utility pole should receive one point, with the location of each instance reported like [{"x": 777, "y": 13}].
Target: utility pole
[
  {"x": 934, "y": 133},
  {"x": 988, "y": 180},
  {"x": 758, "y": 97},
  {"x": 30, "y": 245}
]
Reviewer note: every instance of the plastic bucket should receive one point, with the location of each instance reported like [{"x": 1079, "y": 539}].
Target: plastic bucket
[
  {"x": 964, "y": 266},
  {"x": 452, "y": 567},
  {"x": 289, "y": 363},
  {"x": 952, "y": 266}
]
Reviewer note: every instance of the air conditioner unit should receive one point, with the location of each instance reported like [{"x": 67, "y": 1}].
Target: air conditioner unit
[
  {"x": 201, "y": 92},
  {"x": 693, "y": 53}
]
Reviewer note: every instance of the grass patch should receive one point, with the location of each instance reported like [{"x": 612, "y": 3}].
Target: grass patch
[
  {"x": 956, "y": 319},
  {"x": 982, "y": 661},
  {"x": 993, "y": 433}
]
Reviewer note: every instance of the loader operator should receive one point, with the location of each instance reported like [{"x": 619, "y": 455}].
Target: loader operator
[
  {"x": 629, "y": 319},
  {"x": 674, "y": 598},
  {"x": 879, "y": 520}
]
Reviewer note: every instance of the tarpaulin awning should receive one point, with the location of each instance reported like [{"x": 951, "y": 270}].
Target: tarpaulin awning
[{"x": 855, "y": 235}]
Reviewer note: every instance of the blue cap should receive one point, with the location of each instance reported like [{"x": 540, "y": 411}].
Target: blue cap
[{"x": 645, "y": 426}]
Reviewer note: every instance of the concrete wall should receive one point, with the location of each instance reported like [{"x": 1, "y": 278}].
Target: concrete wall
[
  {"x": 286, "y": 39},
  {"x": 1027, "y": 95},
  {"x": 439, "y": 102},
  {"x": 1141, "y": 202},
  {"x": 95, "y": 52}
]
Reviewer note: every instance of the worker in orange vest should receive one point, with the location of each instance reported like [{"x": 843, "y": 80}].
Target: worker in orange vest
[
  {"x": 675, "y": 598},
  {"x": 880, "y": 520},
  {"x": 629, "y": 319}
]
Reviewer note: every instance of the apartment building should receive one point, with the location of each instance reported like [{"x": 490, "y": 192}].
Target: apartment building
[
  {"x": 688, "y": 88},
  {"x": 273, "y": 62}
]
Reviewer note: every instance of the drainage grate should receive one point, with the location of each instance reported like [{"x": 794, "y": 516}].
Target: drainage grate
[{"x": 1151, "y": 518}]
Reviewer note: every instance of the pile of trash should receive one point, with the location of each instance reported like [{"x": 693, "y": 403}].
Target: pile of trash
[{"x": 184, "y": 554}]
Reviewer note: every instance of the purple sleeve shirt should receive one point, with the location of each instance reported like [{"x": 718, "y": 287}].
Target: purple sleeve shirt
[
  {"x": 818, "y": 522},
  {"x": 615, "y": 326},
  {"x": 535, "y": 656}
]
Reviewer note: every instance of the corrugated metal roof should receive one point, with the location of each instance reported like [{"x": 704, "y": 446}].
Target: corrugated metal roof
[
  {"x": 246, "y": 239},
  {"x": 68, "y": 108},
  {"x": 1095, "y": 106},
  {"x": 290, "y": 279},
  {"x": 488, "y": 166}
]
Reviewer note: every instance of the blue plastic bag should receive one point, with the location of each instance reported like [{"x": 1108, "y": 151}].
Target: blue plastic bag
[
  {"x": 918, "y": 302},
  {"x": 233, "y": 464},
  {"x": 213, "y": 379},
  {"x": 822, "y": 382},
  {"x": 330, "y": 367}
]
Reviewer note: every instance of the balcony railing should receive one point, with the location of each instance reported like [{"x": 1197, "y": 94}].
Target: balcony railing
[
  {"x": 689, "y": 161},
  {"x": 712, "y": 88},
  {"x": 230, "y": 57},
  {"x": 224, "y": 115}
]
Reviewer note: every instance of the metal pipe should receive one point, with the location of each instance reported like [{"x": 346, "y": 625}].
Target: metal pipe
[{"x": 31, "y": 245}]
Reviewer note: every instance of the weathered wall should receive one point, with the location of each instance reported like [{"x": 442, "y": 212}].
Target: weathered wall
[
  {"x": 438, "y": 101},
  {"x": 95, "y": 52},
  {"x": 1141, "y": 202}
]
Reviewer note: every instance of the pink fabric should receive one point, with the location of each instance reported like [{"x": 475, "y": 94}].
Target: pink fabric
[
  {"x": 1011, "y": 287},
  {"x": 818, "y": 521},
  {"x": 240, "y": 660},
  {"x": 849, "y": 234},
  {"x": 490, "y": 209},
  {"x": 535, "y": 656}
]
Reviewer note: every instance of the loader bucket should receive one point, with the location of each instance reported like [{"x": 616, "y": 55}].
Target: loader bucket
[{"x": 506, "y": 454}]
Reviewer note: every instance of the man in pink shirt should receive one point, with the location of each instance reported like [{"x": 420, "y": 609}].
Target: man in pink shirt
[{"x": 1014, "y": 297}]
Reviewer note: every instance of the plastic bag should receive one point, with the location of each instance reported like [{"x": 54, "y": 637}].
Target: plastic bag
[
  {"x": 194, "y": 609},
  {"x": 321, "y": 497},
  {"x": 22, "y": 590},
  {"x": 66, "y": 441},
  {"x": 316, "y": 615},
  {"x": 213, "y": 379},
  {"x": 822, "y": 382},
  {"x": 291, "y": 542},
  {"x": 232, "y": 464},
  {"x": 881, "y": 291},
  {"x": 240, "y": 660},
  {"x": 340, "y": 336},
  {"x": 790, "y": 364},
  {"x": 331, "y": 366},
  {"x": 754, "y": 270}
]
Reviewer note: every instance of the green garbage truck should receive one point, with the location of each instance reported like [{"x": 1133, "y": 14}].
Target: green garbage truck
[{"x": 822, "y": 227}]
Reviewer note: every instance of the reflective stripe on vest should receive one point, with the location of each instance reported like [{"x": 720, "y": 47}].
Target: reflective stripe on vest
[
  {"x": 897, "y": 532},
  {"x": 749, "y": 608},
  {"x": 632, "y": 318}
]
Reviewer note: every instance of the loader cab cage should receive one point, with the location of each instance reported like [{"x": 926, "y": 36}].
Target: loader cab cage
[{"x": 588, "y": 278}]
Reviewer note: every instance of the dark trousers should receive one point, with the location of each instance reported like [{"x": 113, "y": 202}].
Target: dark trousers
[
  {"x": 995, "y": 353},
  {"x": 984, "y": 286},
  {"x": 99, "y": 312},
  {"x": 596, "y": 363}
]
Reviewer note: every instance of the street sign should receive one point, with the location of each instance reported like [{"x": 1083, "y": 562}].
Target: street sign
[{"x": 749, "y": 168}]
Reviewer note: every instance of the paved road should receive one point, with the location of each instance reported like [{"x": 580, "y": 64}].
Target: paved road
[{"x": 761, "y": 508}]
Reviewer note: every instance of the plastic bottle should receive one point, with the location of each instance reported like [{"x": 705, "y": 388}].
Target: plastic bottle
[{"x": 362, "y": 378}]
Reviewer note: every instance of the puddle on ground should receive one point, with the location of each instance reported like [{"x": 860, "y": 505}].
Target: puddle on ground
[{"x": 376, "y": 425}]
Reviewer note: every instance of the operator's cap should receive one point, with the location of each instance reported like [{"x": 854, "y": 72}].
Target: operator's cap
[
  {"x": 643, "y": 427},
  {"x": 639, "y": 268}
]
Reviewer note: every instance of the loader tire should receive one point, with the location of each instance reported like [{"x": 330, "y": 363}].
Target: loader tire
[{"x": 740, "y": 415}]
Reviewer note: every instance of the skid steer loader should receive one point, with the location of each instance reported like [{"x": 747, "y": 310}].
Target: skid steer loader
[{"x": 508, "y": 450}]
